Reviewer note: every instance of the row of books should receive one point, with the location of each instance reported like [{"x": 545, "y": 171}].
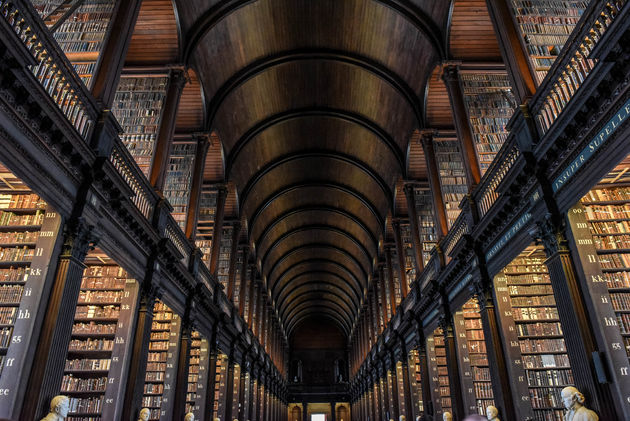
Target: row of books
[
  {"x": 542, "y": 345},
  {"x": 82, "y": 328},
  {"x": 86, "y": 405},
  {"x": 10, "y": 218},
  {"x": 10, "y": 293},
  {"x": 620, "y": 301},
  {"x": 608, "y": 211},
  {"x": 91, "y": 345},
  {"x": 550, "y": 377},
  {"x": 97, "y": 312},
  {"x": 607, "y": 195},
  {"x": 16, "y": 254},
  {"x": 70, "y": 383},
  {"x": 5, "y": 336},
  {"x": 539, "y": 329},
  {"x": 18, "y": 237},
  {"x": 102, "y": 296},
  {"x": 612, "y": 242},
  {"x": 615, "y": 261},
  {"x": 21, "y": 201},
  {"x": 88, "y": 364},
  {"x": 13, "y": 274}
]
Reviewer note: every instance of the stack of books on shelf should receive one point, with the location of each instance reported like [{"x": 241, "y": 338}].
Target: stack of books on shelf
[
  {"x": 452, "y": 176},
  {"x": 545, "y": 26},
  {"x": 490, "y": 103},
  {"x": 478, "y": 356},
  {"x": 179, "y": 179},
  {"x": 540, "y": 336},
  {"x": 224, "y": 256},
  {"x": 138, "y": 105},
  {"x": 424, "y": 209},
  {"x": 410, "y": 266}
]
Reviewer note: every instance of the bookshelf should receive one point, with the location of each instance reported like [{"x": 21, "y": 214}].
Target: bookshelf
[
  {"x": 197, "y": 375},
  {"x": 415, "y": 377},
  {"x": 400, "y": 389},
  {"x": 161, "y": 362},
  {"x": 81, "y": 35},
  {"x": 473, "y": 358},
  {"x": 395, "y": 268},
  {"x": 532, "y": 328},
  {"x": 220, "y": 384},
  {"x": 424, "y": 209},
  {"x": 223, "y": 273},
  {"x": 138, "y": 105},
  {"x": 178, "y": 181},
  {"x": 238, "y": 278},
  {"x": 410, "y": 266},
  {"x": 490, "y": 103},
  {"x": 235, "y": 390},
  {"x": 600, "y": 227},
  {"x": 452, "y": 175},
  {"x": 45, "y": 8},
  {"x": 94, "y": 367},
  {"x": 205, "y": 222},
  {"x": 28, "y": 235},
  {"x": 438, "y": 373},
  {"x": 545, "y": 26}
]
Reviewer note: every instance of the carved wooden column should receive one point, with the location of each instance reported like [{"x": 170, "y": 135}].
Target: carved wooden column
[
  {"x": 390, "y": 280},
  {"x": 213, "y": 356},
  {"x": 229, "y": 385},
  {"x": 164, "y": 141},
  {"x": 112, "y": 57},
  {"x": 383, "y": 284},
  {"x": 413, "y": 225},
  {"x": 183, "y": 362},
  {"x": 245, "y": 281},
  {"x": 192, "y": 212},
  {"x": 439, "y": 210},
  {"x": 450, "y": 76},
  {"x": 392, "y": 383},
  {"x": 47, "y": 371},
  {"x": 578, "y": 332},
  {"x": 140, "y": 346},
  {"x": 217, "y": 230},
  {"x": 501, "y": 385},
  {"x": 512, "y": 51},
  {"x": 427, "y": 402},
  {"x": 408, "y": 393},
  {"x": 400, "y": 250},
  {"x": 236, "y": 232},
  {"x": 454, "y": 379}
]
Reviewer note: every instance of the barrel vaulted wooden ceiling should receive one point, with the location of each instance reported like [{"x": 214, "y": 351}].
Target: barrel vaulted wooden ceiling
[{"x": 315, "y": 103}]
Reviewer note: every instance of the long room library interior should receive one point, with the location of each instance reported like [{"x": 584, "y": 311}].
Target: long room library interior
[{"x": 314, "y": 210}]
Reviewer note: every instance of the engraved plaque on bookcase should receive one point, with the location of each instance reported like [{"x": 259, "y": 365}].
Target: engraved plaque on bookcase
[{"x": 29, "y": 232}]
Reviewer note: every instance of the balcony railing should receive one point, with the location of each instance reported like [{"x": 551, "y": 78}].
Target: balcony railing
[
  {"x": 571, "y": 69},
  {"x": 53, "y": 71}
]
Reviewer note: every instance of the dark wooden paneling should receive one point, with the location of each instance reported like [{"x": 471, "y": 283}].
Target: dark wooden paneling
[
  {"x": 155, "y": 38},
  {"x": 438, "y": 110},
  {"x": 472, "y": 36}
]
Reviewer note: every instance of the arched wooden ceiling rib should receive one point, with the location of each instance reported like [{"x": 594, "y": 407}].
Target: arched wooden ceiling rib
[
  {"x": 290, "y": 306},
  {"x": 313, "y": 112},
  {"x": 318, "y": 251},
  {"x": 215, "y": 14},
  {"x": 267, "y": 63},
  {"x": 327, "y": 314},
  {"x": 315, "y": 279},
  {"x": 321, "y": 234},
  {"x": 329, "y": 110},
  {"x": 285, "y": 220},
  {"x": 311, "y": 264}
]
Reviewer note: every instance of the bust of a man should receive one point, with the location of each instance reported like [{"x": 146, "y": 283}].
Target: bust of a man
[
  {"x": 447, "y": 416},
  {"x": 492, "y": 413},
  {"x": 189, "y": 417},
  {"x": 145, "y": 413},
  {"x": 59, "y": 408},
  {"x": 402, "y": 418},
  {"x": 573, "y": 401}
]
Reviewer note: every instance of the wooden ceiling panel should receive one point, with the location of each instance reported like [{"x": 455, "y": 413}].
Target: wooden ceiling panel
[
  {"x": 191, "y": 109},
  {"x": 472, "y": 35},
  {"x": 400, "y": 200},
  {"x": 155, "y": 36},
  {"x": 213, "y": 170},
  {"x": 438, "y": 108},
  {"x": 304, "y": 84},
  {"x": 416, "y": 162}
]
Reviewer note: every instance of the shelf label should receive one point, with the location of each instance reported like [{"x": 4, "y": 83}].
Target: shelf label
[{"x": 591, "y": 148}]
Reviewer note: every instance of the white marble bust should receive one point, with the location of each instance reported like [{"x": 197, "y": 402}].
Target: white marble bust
[
  {"x": 402, "y": 418},
  {"x": 189, "y": 417},
  {"x": 573, "y": 401},
  {"x": 59, "y": 408},
  {"x": 447, "y": 416},
  {"x": 492, "y": 413},
  {"x": 145, "y": 413}
]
